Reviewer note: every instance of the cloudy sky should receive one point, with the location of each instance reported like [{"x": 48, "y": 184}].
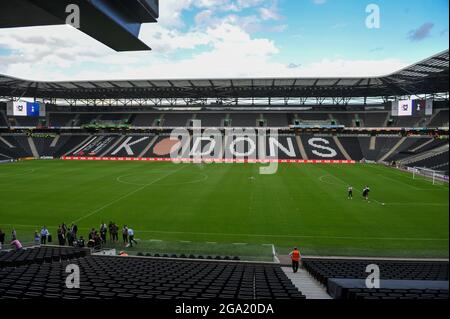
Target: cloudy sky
[{"x": 240, "y": 38}]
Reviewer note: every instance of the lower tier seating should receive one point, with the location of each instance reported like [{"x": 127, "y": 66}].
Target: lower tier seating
[
  {"x": 106, "y": 277},
  {"x": 323, "y": 269}
]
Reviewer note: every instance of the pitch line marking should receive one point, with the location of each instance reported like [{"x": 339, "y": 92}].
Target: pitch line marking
[
  {"x": 263, "y": 235},
  {"x": 407, "y": 175},
  {"x": 205, "y": 178},
  {"x": 126, "y": 195},
  {"x": 399, "y": 182}
]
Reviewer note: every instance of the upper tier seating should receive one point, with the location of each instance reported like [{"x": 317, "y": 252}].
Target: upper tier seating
[
  {"x": 407, "y": 121},
  {"x": 345, "y": 119},
  {"x": 3, "y": 122},
  {"x": 244, "y": 119},
  {"x": 441, "y": 119},
  {"x": 27, "y": 121},
  {"x": 211, "y": 119},
  {"x": 145, "y": 119},
  {"x": 277, "y": 119},
  {"x": 177, "y": 119},
  {"x": 373, "y": 119},
  {"x": 60, "y": 119},
  {"x": 313, "y": 117}
]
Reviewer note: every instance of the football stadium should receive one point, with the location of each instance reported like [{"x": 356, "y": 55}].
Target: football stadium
[{"x": 200, "y": 188}]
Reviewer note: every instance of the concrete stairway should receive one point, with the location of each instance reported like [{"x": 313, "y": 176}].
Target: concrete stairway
[
  {"x": 33, "y": 147},
  {"x": 310, "y": 287}
]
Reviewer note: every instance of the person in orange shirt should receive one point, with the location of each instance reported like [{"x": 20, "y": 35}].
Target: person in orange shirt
[{"x": 295, "y": 257}]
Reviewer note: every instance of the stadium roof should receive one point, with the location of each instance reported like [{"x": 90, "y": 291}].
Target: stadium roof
[
  {"x": 426, "y": 77},
  {"x": 116, "y": 23}
]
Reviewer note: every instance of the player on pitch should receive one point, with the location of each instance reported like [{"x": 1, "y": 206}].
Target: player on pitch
[
  {"x": 350, "y": 192},
  {"x": 366, "y": 191}
]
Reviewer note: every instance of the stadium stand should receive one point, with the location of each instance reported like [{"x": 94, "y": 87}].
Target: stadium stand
[
  {"x": 346, "y": 119},
  {"x": 211, "y": 119},
  {"x": 407, "y": 121},
  {"x": 177, "y": 119},
  {"x": 3, "y": 120},
  {"x": 374, "y": 119},
  {"x": 27, "y": 121},
  {"x": 440, "y": 119},
  {"x": 277, "y": 119},
  {"x": 345, "y": 278},
  {"x": 42, "y": 144},
  {"x": 394, "y": 294},
  {"x": 327, "y": 150},
  {"x": 323, "y": 269},
  {"x": 20, "y": 145},
  {"x": 436, "y": 162},
  {"x": 85, "y": 119},
  {"x": 352, "y": 146},
  {"x": 60, "y": 119},
  {"x": 40, "y": 272},
  {"x": 313, "y": 118},
  {"x": 66, "y": 143},
  {"x": 244, "y": 119},
  {"x": 145, "y": 119}
]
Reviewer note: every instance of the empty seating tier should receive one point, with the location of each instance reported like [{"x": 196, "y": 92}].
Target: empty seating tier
[{"x": 106, "y": 277}]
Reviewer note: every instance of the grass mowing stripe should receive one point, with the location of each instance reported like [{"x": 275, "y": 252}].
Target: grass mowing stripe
[
  {"x": 126, "y": 195},
  {"x": 261, "y": 235}
]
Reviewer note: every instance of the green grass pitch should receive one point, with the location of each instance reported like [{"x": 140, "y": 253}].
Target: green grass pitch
[{"x": 302, "y": 205}]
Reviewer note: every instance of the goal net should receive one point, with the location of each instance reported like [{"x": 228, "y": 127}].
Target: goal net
[{"x": 436, "y": 177}]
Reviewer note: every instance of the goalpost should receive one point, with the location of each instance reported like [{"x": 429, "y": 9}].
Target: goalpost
[{"x": 437, "y": 177}]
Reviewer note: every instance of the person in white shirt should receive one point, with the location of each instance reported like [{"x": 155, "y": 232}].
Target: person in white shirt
[
  {"x": 44, "y": 234},
  {"x": 131, "y": 239}
]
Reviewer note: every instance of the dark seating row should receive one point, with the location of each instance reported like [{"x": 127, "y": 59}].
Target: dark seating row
[
  {"x": 184, "y": 256},
  {"x": 39, "y": 256},
  {"x": 323, "y": 269},
  {"x": 112, "y": 277},
  {"x": 396, "y": 294}
]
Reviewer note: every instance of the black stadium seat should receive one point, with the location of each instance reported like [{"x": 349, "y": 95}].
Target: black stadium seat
[{"x": 106, "y": 277}]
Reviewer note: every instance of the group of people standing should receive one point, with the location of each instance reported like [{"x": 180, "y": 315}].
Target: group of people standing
[{"x": 68, "y": 235}]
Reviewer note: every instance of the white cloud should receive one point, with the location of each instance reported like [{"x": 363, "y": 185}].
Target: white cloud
[
  {"x": 269, "y": 14},
  {"x": 216, "y": 46}
]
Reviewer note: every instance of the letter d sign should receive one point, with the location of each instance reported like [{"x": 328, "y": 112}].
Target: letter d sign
[
  {"x": 73, "y": 279},
  {"x": 373, "y": 280}
]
